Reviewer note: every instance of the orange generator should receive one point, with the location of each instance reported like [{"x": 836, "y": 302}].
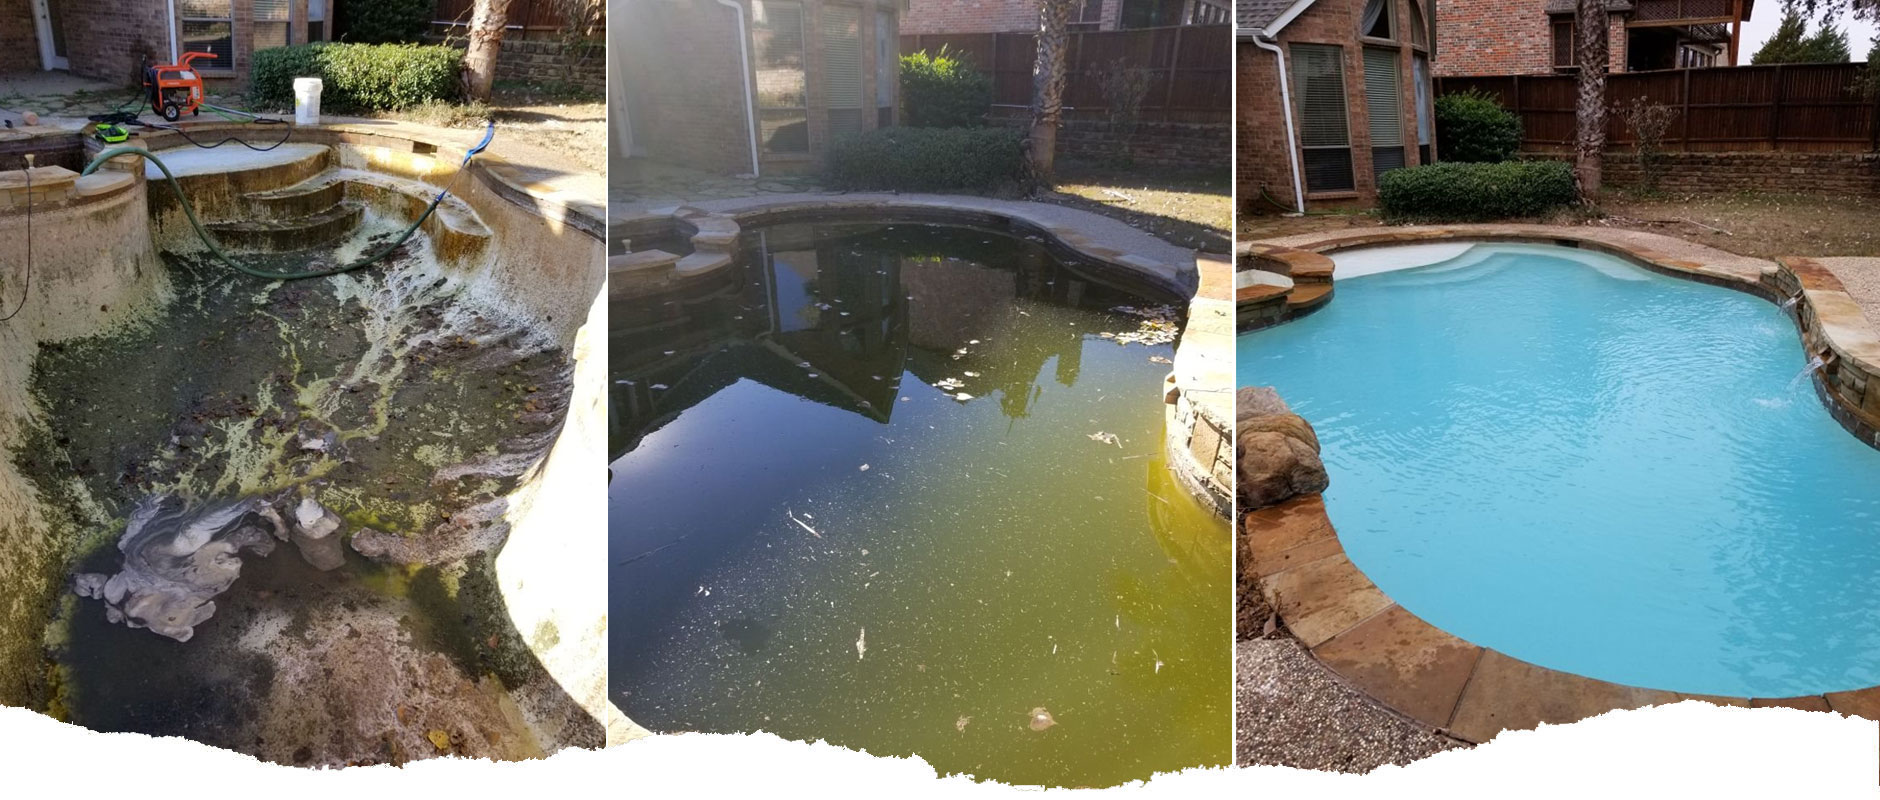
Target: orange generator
[{"x": 175, "y": 88}]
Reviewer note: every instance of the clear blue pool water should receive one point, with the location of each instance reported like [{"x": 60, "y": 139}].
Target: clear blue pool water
[{"x": 1594, "y": 468}]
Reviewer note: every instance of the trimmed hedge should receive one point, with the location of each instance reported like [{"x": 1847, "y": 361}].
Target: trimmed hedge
[
  {"x": 1459, "y": 192},
  {"x": 926, "y": 159},
  {"x": 941, "y": 91},
  {"x": 358, "y": 77},
  {"x": 1472, "y": 126}
]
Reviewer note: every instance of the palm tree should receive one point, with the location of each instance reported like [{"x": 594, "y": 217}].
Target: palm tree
[
  {"x": 486, "y": 41},
  {"x": 1591, "y": 51},
  {"x": 1047, "y": 83}
]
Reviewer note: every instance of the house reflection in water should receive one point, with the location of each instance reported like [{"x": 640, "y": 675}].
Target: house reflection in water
[{"x": 836, "y": 314}]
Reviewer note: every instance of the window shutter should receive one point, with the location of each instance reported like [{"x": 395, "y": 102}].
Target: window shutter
[
  {"x": 1324, "y": 133},
  {"x": 1383, "y": 103},
  {"x": 1319, "y": 79},
  {"x": 842, "y": 67}
]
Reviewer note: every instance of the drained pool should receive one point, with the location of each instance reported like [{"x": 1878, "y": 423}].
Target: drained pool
[
  {"x": 900, "y": 487},
  {"x": 1583, "y": 464}
]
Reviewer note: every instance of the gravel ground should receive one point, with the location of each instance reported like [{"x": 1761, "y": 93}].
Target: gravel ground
[{"x": 1292, "y": 712}]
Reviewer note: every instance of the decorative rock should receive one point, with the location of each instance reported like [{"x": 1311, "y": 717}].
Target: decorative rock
[
  {"x": 1278, "y": 451},
  {"x": 315, "y": 533}
]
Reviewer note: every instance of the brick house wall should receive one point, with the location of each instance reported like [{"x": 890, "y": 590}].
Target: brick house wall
[
  {"x": 110, "y": 41},
  {"x": 1263, "y": 157},
  {"x": 19, "y": 39},
  {"x": 1505, "y": 37},
  {"x": 684, "y": 90},
  {"x": 981, "y": 16}
]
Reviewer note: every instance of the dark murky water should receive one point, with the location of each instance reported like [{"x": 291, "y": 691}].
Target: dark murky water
[{"x": 893, "y": 487}]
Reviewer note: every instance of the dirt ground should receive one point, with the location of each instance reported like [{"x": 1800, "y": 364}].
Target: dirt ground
[
  {"x": 1191, "y": 208},
  {"x": 1759, "y": 225}
]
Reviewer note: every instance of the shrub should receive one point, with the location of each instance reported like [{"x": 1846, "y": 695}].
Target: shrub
[
  {"x": 388, "y": 20},
  {"x": 926, "y": 159},
  {"x": 1473, "y": 127},
  {"x": 1459, "y": 192},
  {"x": 358, "y": 77},
  {"x": 942, "y": 91}
]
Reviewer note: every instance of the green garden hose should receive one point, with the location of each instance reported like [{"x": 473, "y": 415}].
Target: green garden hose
[{"x": 202, "y": 233}]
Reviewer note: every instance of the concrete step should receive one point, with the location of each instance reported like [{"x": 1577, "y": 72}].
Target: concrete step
[
  {"x": 284, "y": 235},
  {"x": 455, "y": 230}
]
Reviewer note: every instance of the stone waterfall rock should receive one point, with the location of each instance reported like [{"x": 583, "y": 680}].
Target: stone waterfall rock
[
  {"x": 1277, "y": 450},
  {"x": 316, "y": 533}
]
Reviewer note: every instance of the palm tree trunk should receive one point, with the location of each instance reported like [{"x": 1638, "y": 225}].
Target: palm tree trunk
[
  {"x": 1592, "y": 53},
  {"x": 486, "y": 40},
  {"x": 1047, "y": 83}
]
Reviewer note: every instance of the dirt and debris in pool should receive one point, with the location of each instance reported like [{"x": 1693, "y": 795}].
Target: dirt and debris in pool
[{"x": 378, "y": 397}]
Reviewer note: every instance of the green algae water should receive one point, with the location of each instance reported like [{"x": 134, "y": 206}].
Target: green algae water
[{"x": 900, "y": 488}]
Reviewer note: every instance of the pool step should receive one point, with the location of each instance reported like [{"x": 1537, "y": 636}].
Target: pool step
[
  {"x": 1307, "y": 297},
  {"x": 455, "y": 230},
  {"x": 296, "y": 233}
]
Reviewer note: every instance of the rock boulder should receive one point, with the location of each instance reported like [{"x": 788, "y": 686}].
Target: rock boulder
[{"x": 1277, "y": 450}]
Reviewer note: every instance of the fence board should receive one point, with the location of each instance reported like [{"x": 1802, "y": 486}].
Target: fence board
[
  {"x": 1190, "y": 68},
  {"x": 1787, "y": 107}
]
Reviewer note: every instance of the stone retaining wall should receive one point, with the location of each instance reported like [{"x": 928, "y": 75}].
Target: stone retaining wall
[
  {"x": 1768, "y": 172},
  {"x": 550, "y": 62}
]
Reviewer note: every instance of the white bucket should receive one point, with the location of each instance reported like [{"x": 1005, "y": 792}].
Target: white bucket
[{"x": 307, "y": 101}]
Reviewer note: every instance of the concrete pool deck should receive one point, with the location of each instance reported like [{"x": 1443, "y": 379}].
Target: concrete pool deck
[{"x": 1471, "y": 692}]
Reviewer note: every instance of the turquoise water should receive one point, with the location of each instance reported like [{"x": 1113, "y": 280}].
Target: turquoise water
[{"x": 1594, "y": 468}]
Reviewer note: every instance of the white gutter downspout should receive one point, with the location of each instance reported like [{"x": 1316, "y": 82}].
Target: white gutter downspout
[
  {"x": 1285, "y": 109},
  {"x": 744, "y": 58},
  {"x": 174, "y": 56}
]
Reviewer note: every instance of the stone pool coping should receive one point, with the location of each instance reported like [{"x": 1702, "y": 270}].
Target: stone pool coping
[
  {"x": 1461, "y": 689},
  {"x": 1198, "y": 391},
  {"x": 1465, "y": 690}
]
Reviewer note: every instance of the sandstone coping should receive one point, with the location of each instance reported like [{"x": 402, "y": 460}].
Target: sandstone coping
[
  {"x": 1199, "y": 415},
  {"x": 1422, "y": 672}
]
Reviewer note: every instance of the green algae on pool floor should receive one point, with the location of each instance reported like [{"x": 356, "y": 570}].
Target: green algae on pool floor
[
  {"x": 388, "y": 398},
  {"x": 901, "y": 488}
]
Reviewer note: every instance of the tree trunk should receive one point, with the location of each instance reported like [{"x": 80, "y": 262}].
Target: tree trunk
[
  {"x": 1047, "y": 83},
  {"x": 486, "y": 40},
  {"x": 1592, "y": 54}
]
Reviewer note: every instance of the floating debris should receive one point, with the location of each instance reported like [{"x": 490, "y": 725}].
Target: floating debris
[
  {"x": 861, "y": 645},
  {"x": 1041, "y": 719},
  {"x": 971, "y": 374},
  {"x": 702, "y": 592},
  {"x": 950, "y": 384},
  {"x": 962, "y": 397},
  {"x": 1106, "y": 438},
  {"x": 1158, "y": 325},
  {"x": 1159, "y": 360},
  {"x": 864, "y": 468},
  {"x": 960, "y": 724},
  {"x": 658, "y": 387},
  {"x": 812, "y": 531}
]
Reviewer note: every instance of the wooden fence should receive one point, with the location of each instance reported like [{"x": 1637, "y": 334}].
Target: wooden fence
[
  {"x": 1786, "y": 107},
  {"x": 1191, "y": 68},
  {"x": 529, "y": 19}
]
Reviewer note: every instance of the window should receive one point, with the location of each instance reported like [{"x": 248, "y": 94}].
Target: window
[
  {"x": 209, "y": 27},
  {"x": 1419, "y": 30},
  {"x": 1087, "y": 16},
  {"x": 1324, "y": 138},
  {"x": 782, "y": 102},
  {"x": 316, "y": 20},
  {"x": 1566, "y": 56},
  {"x": 842, "y": 67},
  {"x": 1205, "y": 14},
  {"x": 1383, "y": 104},
  {"x": 1376, "y": 20},
  {"x": 270, "y": 24},
  {"x": 886, "y": 65},
  {"x": 1420, "y": 72}
]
